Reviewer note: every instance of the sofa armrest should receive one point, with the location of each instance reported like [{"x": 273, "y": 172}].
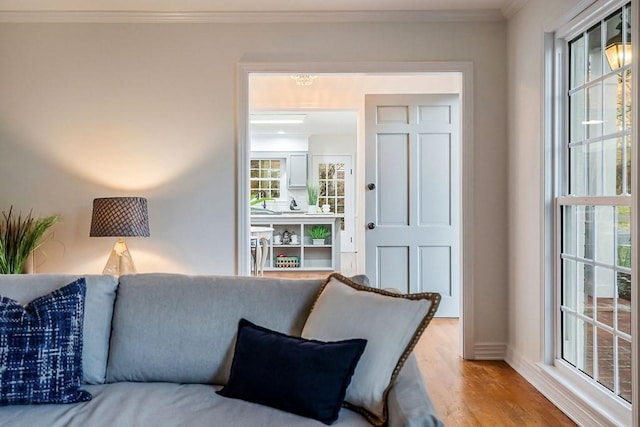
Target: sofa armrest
[{"x": 408, "y": 403}]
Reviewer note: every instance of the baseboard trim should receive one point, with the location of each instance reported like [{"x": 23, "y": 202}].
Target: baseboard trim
[
  {"x": 561, "y": 394},
  {"x": 489, "y": 351}
]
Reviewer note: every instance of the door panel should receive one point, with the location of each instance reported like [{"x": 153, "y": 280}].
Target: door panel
[
  {"x": 392, "y": 152},
  {"x": 435, "y": 270},
  {"x": 434, "y": 174},
  {"x": 393, "y": 266},
  {"x": 412, "y": 153}
]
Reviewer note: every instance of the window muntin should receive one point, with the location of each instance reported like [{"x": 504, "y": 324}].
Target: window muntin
[{"x": 595, "y": 209}]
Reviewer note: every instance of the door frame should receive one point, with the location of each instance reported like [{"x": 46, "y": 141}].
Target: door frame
[{"x": 465, "y": 68}]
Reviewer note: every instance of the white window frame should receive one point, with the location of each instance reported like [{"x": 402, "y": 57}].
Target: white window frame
[{"x": 590, "y": 402}]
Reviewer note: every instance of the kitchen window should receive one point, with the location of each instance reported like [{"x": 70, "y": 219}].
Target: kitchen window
[{"x": 267, "y": 177}]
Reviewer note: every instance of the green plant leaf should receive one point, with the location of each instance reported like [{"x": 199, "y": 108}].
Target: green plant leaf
[
  {"x": 312, "y": 194},
  {"x": 19, "y": 237}
]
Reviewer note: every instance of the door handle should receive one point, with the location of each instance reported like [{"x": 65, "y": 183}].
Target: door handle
[
  {"x": 371, "y": 226},
  {"x": 371, "y": 186}
]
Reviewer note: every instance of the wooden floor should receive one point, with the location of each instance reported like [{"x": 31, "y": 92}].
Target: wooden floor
[{"x": 478, "y": 393}]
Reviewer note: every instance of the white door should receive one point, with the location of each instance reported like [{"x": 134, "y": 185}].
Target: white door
[
  {"x": 334, "y": 174},
  {"x": 412, "y": 202}
]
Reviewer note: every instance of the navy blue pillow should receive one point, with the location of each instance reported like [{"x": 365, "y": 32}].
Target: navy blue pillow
[
  {"x": 304, "y": 377},
  {"x": 41, "y": 348}
]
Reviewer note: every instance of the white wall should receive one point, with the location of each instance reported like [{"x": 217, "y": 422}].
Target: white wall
[
  {"x": 93, "y": 110},
  {"x": 526, "y": 173}
]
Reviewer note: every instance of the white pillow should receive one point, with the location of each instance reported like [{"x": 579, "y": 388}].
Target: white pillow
[{"x": 391, "y": 323}]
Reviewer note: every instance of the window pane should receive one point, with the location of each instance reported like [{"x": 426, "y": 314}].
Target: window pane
[
  {"x": 628, "y": 34},
  {"x": 613, "y": 111},
  {"x": 577, "y": 117},
  {"x": 595, "y": 52},
  {"x": 605, "y": 295},
  {"x": 624, "y": 369},
  {"x": 585, "y": 231},
  {"x": 584, "y": 288},
  {"x": 594, "y": 111},
  {"x": 604, "y": 238},
  {"x": 576, "y": 49},
  {"x": 584, "y": 356},
  {"x": 569, "y": 230},
  {"x": 627, "y": 99},
  {"x": 605, "y": 359},
  {"x": 612, "y": 167},
  {"x": 624, "y": 303},
  {"x": 613, "y": 26},
  {"x": 569, "y": 341},
  {"x": 623, "y": 236},
  {"x": 569, "y": 280},
  {"x": 594, "y": 164},
  {"x": 577, "y": 171},
  {"x": 627, "y": 165}
]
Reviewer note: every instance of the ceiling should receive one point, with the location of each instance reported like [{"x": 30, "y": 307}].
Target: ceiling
[
  {"x": 255, "y": 5},
  {"x": 313, "y": 123}
]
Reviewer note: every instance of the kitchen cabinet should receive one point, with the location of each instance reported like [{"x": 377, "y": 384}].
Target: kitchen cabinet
[
  {"x": 297, "y": 165},
  {"x": 301, "y": 253}
]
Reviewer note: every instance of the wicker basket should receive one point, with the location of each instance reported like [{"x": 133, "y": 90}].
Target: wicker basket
[{"x": 287, "y": 262}]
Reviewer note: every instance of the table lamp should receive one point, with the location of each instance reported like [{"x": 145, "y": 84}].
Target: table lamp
[{"x": 119, "y": 217}]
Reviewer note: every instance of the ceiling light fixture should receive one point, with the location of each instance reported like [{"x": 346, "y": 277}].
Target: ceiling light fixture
[{"x": 304, "y": 79}]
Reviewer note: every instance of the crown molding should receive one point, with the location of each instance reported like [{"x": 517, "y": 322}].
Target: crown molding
[
  {"x": 513, "y": 7},
  {"x": 248, "y": 17}
]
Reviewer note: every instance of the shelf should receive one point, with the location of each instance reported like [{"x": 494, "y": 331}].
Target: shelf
[{"x": 325, "y": 257}]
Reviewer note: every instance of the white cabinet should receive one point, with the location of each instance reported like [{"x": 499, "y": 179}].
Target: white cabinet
[
  {"x": 302, "y": 253},
  {"x": 297, "y": 170}
]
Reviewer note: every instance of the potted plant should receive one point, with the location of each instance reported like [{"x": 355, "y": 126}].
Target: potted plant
[
  {"x": 19, "y": 237},
  {"x": 318, "y": 234},
  {"x": 312, "y": 198}
]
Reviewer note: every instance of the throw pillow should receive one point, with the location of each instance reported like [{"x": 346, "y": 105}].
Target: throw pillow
[
  {"x": 98, "y": 311},
  {"x": 391, "y": 323},
  {"x": 296, "y": 375},
  {"x": 41, "y": 348}
]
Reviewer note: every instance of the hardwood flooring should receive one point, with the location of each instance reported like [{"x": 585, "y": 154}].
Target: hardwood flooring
[{"x": 478, "y": 393}]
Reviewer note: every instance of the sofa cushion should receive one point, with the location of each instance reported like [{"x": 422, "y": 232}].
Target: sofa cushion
[
  {"x": 391, "y": 323},
  {"x": 161, "y": 404},
  {"x": 180, "y": 328},
  {"x": 41, "y": 348},
  {"x": 304, "y": 377},
  {"x": 101, "y": 292}
]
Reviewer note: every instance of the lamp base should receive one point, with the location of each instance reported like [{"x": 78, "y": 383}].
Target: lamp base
[{"x": 120, "y": 261}]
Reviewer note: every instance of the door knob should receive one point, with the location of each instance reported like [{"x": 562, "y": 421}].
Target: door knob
[
  {"x": 371, "y": 226},
  {"x": 371, "y": 186}
]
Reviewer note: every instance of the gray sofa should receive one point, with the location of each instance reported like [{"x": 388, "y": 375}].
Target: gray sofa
[{"x": 157, "y": 346}]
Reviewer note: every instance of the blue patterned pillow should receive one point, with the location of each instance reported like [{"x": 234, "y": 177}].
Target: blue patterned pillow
[{"x": 41, "y": 348}]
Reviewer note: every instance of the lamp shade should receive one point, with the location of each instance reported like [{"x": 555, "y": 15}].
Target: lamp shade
[{"x": 120, "y": 217}]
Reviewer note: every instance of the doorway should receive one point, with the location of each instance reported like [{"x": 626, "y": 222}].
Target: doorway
[{"x": 380, "y": 74}]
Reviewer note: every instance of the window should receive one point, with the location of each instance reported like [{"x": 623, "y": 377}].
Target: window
[
  {"x": 594, "y": 204},
  {"x": 266, "y": 178},
  {"x": 332, "y": 187}
]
